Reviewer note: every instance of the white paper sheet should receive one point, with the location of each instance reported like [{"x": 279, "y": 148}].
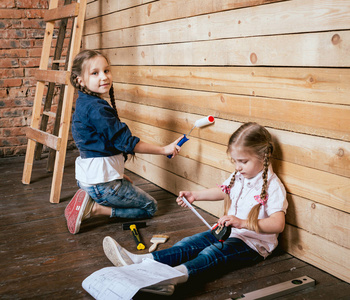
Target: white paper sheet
[{"x": 122, "y": 283}]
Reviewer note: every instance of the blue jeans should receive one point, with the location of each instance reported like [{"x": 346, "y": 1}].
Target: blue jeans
[
  {"x": 202, "y": 253},
  {"x": 125, "y": 199}
]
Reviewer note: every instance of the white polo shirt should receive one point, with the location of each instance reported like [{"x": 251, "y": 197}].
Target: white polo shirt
[{"x": 242, "y": 197}]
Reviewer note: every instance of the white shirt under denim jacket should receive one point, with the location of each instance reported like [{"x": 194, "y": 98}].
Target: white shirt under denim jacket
[
  {"x": 101, "y": 139},
  {"x": 242, "y": 197}
]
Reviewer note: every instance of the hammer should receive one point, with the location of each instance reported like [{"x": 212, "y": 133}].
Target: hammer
[{"x": 133, "y": 226}]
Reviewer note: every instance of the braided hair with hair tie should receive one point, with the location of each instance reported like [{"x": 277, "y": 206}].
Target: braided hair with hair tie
[
  {"x": 256, "y": 139},
  {"x": 77, "y": 71},
  {"x": 252, "y": 221}
]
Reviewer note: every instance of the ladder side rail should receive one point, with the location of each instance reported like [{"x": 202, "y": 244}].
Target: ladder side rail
[
  {"x": 67, "y": 106},
  {"x": 39, "y": 92},
  {"x": 52, "y": 153}
]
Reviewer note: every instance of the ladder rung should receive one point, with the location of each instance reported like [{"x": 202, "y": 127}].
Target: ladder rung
[
  {"x": 44, "y": 138},
  {"x": 59, "y": 61},
  {"x": 49, "y": 114},
  {"x": 60, "y": 77},
  {"x": 62, "y": 12}
]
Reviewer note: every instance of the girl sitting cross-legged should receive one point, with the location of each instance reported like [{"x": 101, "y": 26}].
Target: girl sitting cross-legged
[{"x": 255, "y": 207}]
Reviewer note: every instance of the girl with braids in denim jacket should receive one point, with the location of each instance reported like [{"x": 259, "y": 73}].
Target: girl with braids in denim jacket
[
  {"x": 104, "y": 143},
  {"x": 255, "y": 205}
]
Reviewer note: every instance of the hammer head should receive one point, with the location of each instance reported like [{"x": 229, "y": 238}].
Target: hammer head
[{"x": 126, "y": 226}]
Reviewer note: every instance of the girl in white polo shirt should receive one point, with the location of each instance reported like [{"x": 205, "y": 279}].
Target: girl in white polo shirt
[{"x": 255, "y": 207}]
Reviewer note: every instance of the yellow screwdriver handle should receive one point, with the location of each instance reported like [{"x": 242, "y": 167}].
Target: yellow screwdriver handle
[{"x": 137, "y": 238}]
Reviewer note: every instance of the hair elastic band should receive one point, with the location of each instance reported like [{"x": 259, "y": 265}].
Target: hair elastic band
[
  {"x": 225, "y": 188},
  {"x": 258, "y": 199}
]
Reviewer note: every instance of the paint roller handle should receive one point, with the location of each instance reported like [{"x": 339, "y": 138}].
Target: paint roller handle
[
  {"x": 180, "y": 143},
  {"x": 183, "y": 140}
]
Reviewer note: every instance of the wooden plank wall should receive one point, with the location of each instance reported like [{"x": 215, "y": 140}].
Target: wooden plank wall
[{"x": 283, "y": 64}]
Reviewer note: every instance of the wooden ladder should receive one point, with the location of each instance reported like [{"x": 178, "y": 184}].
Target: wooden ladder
[{"x": 58, "y": 143}]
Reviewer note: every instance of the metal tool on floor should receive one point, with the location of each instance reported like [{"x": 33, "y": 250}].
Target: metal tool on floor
[
  {"x": 278, "y": 290},
  {"x": 199, "y": 123},
  {"x": 134, "y": 226}
]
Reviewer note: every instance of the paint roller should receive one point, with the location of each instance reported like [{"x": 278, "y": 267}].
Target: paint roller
[{"x": 198, "y": 124}]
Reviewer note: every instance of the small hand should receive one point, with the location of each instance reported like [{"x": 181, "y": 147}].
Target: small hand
[
  {"x": 230, "y": 220},
  {"x": 173, "y": 149},
  {"x": 188, "y": 195}
]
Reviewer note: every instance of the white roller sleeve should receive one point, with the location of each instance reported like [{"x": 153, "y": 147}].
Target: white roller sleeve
[{"x": 204, "y": 121}]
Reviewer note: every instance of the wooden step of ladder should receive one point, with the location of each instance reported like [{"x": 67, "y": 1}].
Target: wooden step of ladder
[{"x": 76, "y": 11}]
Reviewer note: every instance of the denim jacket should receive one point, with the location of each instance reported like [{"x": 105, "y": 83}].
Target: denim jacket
[{"x": 97, "y": 130}]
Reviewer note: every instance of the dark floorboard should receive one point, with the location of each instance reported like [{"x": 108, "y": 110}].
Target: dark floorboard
[{"x": 40, "y": 259}]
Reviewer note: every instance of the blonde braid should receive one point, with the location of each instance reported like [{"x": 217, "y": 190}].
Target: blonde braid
[
  {"x": 227, "y": 199},
  {"x": 254, "y": 138},
  {"x": 252, "y": 220},
  {"x": 264, "y": 175}
]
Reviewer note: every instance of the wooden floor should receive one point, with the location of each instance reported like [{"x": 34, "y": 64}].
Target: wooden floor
[{"x": 40, "y": 259}]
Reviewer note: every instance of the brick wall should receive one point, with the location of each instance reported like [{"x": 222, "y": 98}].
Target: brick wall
[{"x": 21, "y": 35}]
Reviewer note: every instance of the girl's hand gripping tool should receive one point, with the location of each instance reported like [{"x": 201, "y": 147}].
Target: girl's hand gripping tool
[
  {"x": 199, "y": 123},
  {"x": 221, "y": 233}
]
